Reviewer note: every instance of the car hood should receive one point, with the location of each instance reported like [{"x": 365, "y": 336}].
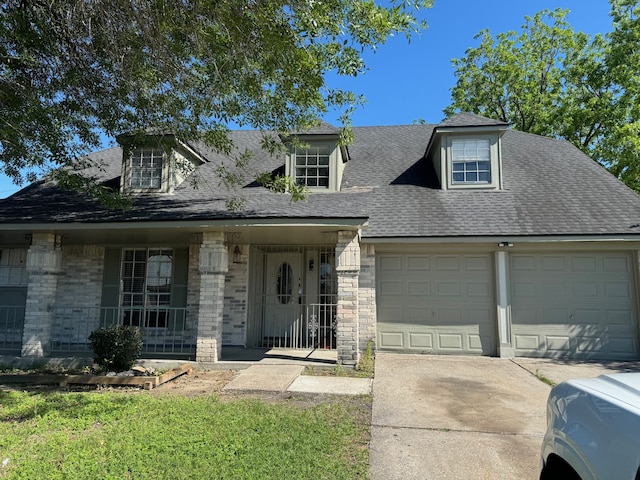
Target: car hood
[{"x": 620, "y": 388}]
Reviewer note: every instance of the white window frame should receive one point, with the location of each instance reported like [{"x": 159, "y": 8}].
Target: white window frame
[
  {"x": 146, "y": 304},
  {"x": 494, "y": 163},
  {"x": 333, "y": 178},
  {"x": 155, "y": 154}
]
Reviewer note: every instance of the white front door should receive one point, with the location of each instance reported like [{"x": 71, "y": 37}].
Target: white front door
[{"x": 283, "y": 316}]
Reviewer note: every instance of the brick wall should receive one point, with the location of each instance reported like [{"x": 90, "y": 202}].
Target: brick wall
[
  {"x": 234, "y": 321},
  {"x": 367, "y": 296},
  {"x": 77, "y": 306}
]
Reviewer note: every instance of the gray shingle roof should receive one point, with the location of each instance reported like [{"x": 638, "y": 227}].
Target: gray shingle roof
[
  {"x": 466, "y": 119},
  {"x": 550, "y": 188}
]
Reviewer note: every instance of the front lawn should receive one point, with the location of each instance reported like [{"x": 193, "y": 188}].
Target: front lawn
[{"x": 118, "y": 435}]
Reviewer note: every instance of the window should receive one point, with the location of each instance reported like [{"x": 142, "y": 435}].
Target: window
[
  {"x": 146, "y": 169},
  {"x": 471, "y": 161},
  {"x": 284, "y": 283},
  {"x": 13, "y": 267},
  {"x": 312, "y": 166},
  {"x": 146, "y": 286}
]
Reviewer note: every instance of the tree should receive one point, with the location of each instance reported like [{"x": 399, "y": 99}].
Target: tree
[
  {"x": 73, "y": 70},
  {"x": 622, "y": 144},
  {"x": 553, "y": 81}
]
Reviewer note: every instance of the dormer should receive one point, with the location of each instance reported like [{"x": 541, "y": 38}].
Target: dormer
[
  {"x": 156, "y": 163},
  {"x": 314, "y": 158},
  {"x": 466, "y": 152}
]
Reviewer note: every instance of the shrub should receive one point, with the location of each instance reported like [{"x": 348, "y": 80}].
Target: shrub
[{"x": 116, "y": 347}]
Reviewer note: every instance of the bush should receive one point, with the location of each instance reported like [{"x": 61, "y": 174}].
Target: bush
[{"x": 116, "y": 347}]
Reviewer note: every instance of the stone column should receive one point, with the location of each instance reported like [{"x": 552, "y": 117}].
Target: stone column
[
  {"x": 213, "y": 266},
  {"x": 43, "y": 266},
  {"x": 347, "y": 271}
]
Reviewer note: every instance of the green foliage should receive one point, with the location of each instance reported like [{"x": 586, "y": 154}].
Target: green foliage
[
  {"x": 116, "y": 347},
  {"x": 366, "y": 365},
  {"x": 284, "y": 184},
  {"x": 553, "y": 81},
  {"x": 109, "y": 436},
  {"x": 71, "y": 71}
]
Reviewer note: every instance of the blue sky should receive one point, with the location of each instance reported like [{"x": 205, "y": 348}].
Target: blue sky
[{"x": 411, "y": 81}]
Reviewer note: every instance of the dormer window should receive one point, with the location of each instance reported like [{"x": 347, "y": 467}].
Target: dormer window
[
  {"x": 312, "y": 166},
  {"x": 470, "y": 161},
  {"x": 156, "y": 164},
  {"x": 466, "y": 152},
  {"x": 146, "y": 169},
  {"x": 317, "y": 164}
]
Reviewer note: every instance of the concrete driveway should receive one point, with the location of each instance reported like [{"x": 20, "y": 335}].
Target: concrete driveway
[{"x": 441, "y": 417}]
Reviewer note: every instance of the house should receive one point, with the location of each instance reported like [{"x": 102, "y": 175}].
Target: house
[{"x": 464, "y": 237}]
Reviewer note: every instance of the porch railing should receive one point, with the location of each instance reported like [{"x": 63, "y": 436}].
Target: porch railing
[
  {"x": 167, "y": 332},
  {"x": 11, "y": 328},
  {"x": 313, "y": 327}
]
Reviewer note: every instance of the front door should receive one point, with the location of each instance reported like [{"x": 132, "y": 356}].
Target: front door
[{"x": 283, "y": 315}]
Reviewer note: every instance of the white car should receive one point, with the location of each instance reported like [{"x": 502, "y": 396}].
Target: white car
[{"x": 593, "y": 429}]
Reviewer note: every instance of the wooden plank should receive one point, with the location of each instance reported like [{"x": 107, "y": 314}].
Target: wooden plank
[
  {"x": 181, "y": 370},
  {"x": 146, "y": 382}
]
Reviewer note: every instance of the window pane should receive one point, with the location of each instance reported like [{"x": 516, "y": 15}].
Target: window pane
[
  {"x": 146, "y": 168},
  {"x": 485, "y": 177},
  {"x": 471, "y": 161},
  {"x": 307, "y": 163},
  {"x": 284, "y": 283}
]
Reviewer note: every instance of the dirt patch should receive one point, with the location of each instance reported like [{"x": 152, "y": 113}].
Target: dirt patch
[{"x": 200, "y": 383}]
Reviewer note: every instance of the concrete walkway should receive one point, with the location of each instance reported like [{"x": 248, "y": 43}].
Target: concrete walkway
[{"x": 281, "y": 371}]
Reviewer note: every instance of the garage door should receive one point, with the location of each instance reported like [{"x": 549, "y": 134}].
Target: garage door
[
  {"x": 581, "y": 305},
  {"x": 436, "y": 303}
]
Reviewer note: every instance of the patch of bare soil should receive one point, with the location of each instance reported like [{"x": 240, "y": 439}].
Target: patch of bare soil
[{"x": 199, "y": 383}]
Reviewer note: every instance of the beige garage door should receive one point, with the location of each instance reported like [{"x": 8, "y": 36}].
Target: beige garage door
[
  {"x": 432, "y": 303},
  {"x": 581, "y": 305}
]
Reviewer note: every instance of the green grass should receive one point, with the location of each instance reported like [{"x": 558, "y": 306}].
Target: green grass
[
  {"x": 94, "y": 435},
  {"x": 544, "y": 379}
]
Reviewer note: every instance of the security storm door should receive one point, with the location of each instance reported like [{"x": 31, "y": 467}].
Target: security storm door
[{"x": 283, "y": 309}]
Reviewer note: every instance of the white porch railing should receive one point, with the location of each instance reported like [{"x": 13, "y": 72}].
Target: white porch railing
[
  {"x": 314, "y": 326},
  {"x": 166, "y": 332}
]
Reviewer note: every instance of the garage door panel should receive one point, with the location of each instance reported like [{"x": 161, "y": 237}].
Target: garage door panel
[
  {"x": 558, "y": 344},
  {"x": 477, "y": 263},
  {"x": 393, "y": 340},
  {"x": 446, "y": 304},
  {"x": 594, "y": 316},
  {"x": 553, "y": 263},
  {"x": 624, "y": 346},
  {"x": 448, "y": 289},
  {"x": 617, "y": 289},
  {"x": 589, "y": 345},
  {"x": 586, "y": 316},
  {"x": 616, "y": 264},
  {"x": 418, "y": 262},
  {"x": 522, "y": 289},
  {"x": 447, "y": 263},
  {"x": 390, "y": 263},
  {"x": 451, "y": 341},
  {"x": 392, "y": 288},
  {"x": 478, "y": 289},
  {"x": 585, "y": 288},
  {"x": 421, "y": 341},
  {"x": 418, "y": 289},
  {"x": 623, "y": 318}
]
